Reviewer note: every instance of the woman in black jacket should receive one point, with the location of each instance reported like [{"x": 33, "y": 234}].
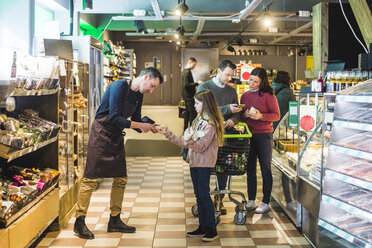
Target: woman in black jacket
[{"x": 283, "y": 93}]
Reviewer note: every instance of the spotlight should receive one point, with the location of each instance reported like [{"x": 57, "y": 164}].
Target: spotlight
[
  {"x": 180, "y": 31},
  {"x": 239, "y": 41},
  {"x": 182, "y": 8},
  {"x": 140, "y": 25},
  {"x": 230, "y": 49},
  {"x": 267, "y": 21}
]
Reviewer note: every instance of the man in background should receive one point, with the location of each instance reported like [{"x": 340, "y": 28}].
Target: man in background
[
  {"x": 228, "y": 103},
  {"x": 188, "y": 91}
]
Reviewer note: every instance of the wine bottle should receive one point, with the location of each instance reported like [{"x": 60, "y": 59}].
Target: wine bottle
[{"x": 14, "y": 66}]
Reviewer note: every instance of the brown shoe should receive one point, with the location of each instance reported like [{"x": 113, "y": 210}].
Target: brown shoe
[{"x": 223, "y": 209}]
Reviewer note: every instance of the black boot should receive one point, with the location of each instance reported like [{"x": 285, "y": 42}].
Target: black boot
[
  {"x": 198, "y": 232},
  {"x": 210, "y": 235},
  {"x": 116, "y": 225},
  {"x": 81, "y": 229}
]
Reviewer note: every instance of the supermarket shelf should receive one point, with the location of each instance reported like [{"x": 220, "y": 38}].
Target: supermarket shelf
[
  {"x": 347, "y": 207},
  {"x": 354, "y": 98},
  {"x": 351, "y": 152},
  {"x": 10, "y": 154},
  {"x": 43, "y": 92},
  {"x": 343, "y": 234},
  {"x": 353, "y": 125},
  {"x": 11, "y": 219},
  {"x": 349, "y": 179}
]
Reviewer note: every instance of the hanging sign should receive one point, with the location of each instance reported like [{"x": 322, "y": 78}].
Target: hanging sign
[{"x": 307, "y": 118}]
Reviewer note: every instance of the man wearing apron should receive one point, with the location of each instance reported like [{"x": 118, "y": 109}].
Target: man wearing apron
[{"x": 106, "y": 154}]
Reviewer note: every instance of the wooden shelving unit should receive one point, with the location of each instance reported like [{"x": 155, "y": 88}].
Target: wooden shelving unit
[{"x": 26, "y": 225}]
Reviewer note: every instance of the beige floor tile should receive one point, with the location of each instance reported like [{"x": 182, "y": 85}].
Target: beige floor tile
[
  {"x": 139, "y": 235},
  {"x": 105, "y": 242},
  {"x": 170, "y": 228},
  {"x": 236, "y": 242},
  {"x": 266, "y": 234},
  {"x": 169, "y": 242},
  {"x": 145, "y": 210},
  {"x": 140, "y": 221},
  {"x": 68, "y": 242},
  {"x": 147, "y": 199},
  {"x": 171, "y": 215}
]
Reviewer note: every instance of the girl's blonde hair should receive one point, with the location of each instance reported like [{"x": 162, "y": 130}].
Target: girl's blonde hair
[{"x": 210, "y": 108}]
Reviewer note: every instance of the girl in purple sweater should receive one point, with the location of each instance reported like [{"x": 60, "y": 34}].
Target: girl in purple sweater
[
  {"x": 202, "y": 139},
  {"x": 260, "y": 111}
]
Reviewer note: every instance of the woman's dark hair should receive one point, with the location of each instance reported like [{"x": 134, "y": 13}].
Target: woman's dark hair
[
  {"x": 264, "y": 85},
  {"x": 282, "y": 77}
]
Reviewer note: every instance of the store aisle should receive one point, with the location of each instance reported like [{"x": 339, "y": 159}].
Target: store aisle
[{"x": 158, "y": 202}]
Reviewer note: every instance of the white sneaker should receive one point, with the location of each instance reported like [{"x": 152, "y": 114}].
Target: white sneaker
[
  {"x": 251, "y": 205},
  {"x": 292, "y": 206},
  {"x": 263, "y": 208}
]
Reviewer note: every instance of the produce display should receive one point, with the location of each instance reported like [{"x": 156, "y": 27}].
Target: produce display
[
  {"x": 25, "y": 129},
  {"x": 19, "y": 186}
]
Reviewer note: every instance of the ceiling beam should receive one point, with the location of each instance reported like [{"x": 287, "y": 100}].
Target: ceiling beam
[
  {"x": 249, "y": 9},
  {"x": 197, "y": 18},
  {"x": 209, "y": 34},
  {"x": 156, "y": 8},
  {"x": 198, "y": 30},
  {"x": 292, "y": 33},
  {"x": 363, "y": 16}
]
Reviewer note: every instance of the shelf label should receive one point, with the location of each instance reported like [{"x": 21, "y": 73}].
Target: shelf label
[{"x": 293, "y": 114}]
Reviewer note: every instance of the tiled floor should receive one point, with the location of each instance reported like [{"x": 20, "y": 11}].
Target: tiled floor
[{"x": 158, "y": 201}]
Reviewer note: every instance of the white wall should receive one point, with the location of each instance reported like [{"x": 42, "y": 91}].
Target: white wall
[{"x": 15, "y": 25}]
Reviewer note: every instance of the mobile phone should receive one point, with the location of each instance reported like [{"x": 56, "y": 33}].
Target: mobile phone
[{"x": 241, "y": 106}]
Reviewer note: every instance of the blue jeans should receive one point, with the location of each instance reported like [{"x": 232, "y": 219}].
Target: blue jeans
[{"x": 200, "y": 177}]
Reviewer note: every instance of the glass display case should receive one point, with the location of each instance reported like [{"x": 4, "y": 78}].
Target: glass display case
[
  {"x": 346, "y": 202},
  {"x": 298, "y": 160}
]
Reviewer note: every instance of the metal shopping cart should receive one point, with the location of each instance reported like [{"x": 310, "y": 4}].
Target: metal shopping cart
[{"x": 231, "y": 161}]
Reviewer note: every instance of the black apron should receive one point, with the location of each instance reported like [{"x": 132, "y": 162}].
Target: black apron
[{"x": 106, "y": 153}]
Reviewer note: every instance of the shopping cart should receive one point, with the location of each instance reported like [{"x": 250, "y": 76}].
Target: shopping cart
[{"x": 231, "y": 161}]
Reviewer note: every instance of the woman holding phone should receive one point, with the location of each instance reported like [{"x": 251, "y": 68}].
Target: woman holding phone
[{"x": 260, "y": 111}]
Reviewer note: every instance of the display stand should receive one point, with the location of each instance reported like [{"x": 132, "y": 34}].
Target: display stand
[
  {"x": 26, "y": 225},
  {"x": 73, "y": 137},
  {"x": 345, "y": 212}
]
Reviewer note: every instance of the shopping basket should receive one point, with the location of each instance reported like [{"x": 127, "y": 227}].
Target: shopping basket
[{"x": 231, "y": 161}]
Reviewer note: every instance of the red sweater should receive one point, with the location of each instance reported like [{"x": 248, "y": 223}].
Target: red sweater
[{"x": 267, "y": 105}]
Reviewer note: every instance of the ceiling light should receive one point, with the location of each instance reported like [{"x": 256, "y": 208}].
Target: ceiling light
[
  {"x": 170, "y": 41},
  {"x": 178, "y": 42},
  {"x": 273, "y": 29},
  {"x": 182, "y": 8},
  {"x": 252, "y": 40},
  {"x": 177, "y": 36},
  {"x": 267, "y": 21},
  {"x": 139, "y": 12}
]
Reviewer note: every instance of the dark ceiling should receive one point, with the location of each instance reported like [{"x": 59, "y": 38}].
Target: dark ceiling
[{"x": 210, "y": 20}]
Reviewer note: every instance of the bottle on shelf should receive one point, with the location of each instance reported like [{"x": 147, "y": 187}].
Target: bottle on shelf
[
  {"x": 320, "y": 85},
  {"x": 14, "y": 65}
]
